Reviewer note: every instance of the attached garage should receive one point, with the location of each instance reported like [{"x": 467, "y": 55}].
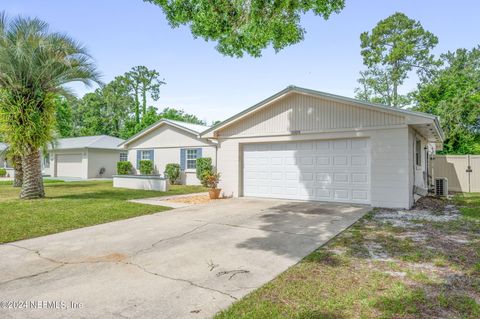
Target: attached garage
[
  {"x": 302, "y": 144},
  {"x": 69, "y": 165},
  {"x": 324, "y": 170}
]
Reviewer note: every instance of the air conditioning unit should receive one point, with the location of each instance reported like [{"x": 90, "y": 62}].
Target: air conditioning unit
[{"x": 441, "y": 186}]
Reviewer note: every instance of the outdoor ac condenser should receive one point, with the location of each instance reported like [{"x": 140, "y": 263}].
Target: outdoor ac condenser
[{"x": 441, "y": 186}]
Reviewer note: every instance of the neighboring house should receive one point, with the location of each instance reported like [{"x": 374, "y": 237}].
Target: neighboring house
[
  {"x": 84, "y": 157},
  {"x": 3, "y": 161},
  {"x": 308, "y": 145},
  {"x": 169, "y": 141}
]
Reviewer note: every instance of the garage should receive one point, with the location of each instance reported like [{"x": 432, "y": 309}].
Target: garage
[
  {"x": 324, "y": 170},
  {"x": 69, "y": 165}
]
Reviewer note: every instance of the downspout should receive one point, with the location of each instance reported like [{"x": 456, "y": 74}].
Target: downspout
[{"x": 413, "y": 167}]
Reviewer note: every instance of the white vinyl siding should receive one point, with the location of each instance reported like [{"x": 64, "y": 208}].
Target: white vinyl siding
[
  {"x": 324, "y": 170},
  {"x": 305, "y": 113}
]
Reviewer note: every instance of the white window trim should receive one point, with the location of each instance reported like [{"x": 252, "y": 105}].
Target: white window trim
[
  {"x": 187, "y": 169},
  {"x": 126, "y": 156},
  {"x": 142, "y": 152},
  {"x": 418, "y": 153}
]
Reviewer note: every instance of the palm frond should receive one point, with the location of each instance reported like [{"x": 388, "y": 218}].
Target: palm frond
[{"x": 35, "y": 66}]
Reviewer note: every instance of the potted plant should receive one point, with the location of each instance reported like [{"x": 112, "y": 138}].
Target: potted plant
[{"x": 211, "y": 181}]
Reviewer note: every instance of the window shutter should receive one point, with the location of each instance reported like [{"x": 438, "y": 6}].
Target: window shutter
[
  {"x": 182, "y": 159},
  {"x": 139, "y": 157},
  {"x": 152, "y": 157},
  {"x": 199, "y": 152}
]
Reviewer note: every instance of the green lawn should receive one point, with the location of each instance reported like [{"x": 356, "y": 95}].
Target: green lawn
[
  {"x": 428, "y": 271},
  {"x": 71, "y": 205}
]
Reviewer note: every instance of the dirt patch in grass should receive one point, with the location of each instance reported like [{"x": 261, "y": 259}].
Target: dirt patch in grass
[
  {"x": 194, "y": 199},
  {"x": 420, "y": 263}
]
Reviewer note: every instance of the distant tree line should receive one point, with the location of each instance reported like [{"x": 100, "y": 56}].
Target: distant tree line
[
  {"x": 448, "y": 86},
  {"x": 119, "y": 108}
]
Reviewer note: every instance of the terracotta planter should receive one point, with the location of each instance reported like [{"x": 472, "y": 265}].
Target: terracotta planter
[{"x": 214, "y": 193}]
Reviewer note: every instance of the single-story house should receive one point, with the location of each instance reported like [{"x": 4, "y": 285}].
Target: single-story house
[
  {"x": 309, "y": 145},
  {"x": 84, "y": 157},
  {"x": 3, "y": 161},
  {"x": 169, "y": 141}
]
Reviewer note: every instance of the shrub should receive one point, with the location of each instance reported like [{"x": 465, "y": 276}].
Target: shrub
[
  {"x": 3, "y": 172},
  {"x": 210, "y": 180},
  {"x": 172, "y": 170},
  {"x": 204, "y": 166},
  {"x": 124, "y": 168},
  {"x": 146, "y": 167}
]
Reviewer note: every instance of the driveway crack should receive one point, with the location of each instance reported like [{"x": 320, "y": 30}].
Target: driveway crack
[
  {"x": 167, "y": 239},
  {"x": 255, "y": 228},
  {"x": 179, "y": 279},
  {"x": 61, "y": 263},
  {"x": 37, "y": 252},
  {"x": 32, "y": 275}
]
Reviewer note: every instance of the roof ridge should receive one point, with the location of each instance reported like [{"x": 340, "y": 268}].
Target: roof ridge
[{"x": 98, "y": 137}]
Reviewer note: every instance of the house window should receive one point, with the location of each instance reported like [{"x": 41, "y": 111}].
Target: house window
[
  {"x": 146, "y": 155},
  {"x": 191, "y": 158},
  {"x": 418, "y": 153},
  {"x": 123, "y": 156},
  {"x": 46, "y": 161}
]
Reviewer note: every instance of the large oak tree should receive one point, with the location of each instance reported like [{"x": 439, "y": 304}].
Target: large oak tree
[{"x": 246, "y": 27}]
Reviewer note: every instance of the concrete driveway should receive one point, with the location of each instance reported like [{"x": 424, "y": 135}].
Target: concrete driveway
[{"x": 186, "y": 263}]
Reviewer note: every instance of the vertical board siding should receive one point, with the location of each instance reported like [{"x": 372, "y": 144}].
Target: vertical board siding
[
  {"x": 306, "y": 113},
  {"x": 454, "y": 168}
]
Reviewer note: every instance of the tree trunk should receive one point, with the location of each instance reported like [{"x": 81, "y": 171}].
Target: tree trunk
[
  {"x": 144, "y": 101},
  {"x": 32, "y": 176},
  {"x": 137, "y": 107},
  {"x": 17, "y": 166},
  {"x": 395, "y": 94}
]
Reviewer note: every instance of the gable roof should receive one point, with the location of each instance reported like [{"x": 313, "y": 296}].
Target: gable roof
[
  {"x": 97, "y": 142},
  {"x": 191, "y": 128},
  {"x": 295, "y": 89}
]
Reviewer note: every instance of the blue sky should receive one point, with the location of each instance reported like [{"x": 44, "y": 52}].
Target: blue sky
[{"x": 124, "y": 33}]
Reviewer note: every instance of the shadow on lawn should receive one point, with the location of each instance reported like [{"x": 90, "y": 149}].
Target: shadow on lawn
[{"x": 69, "y": 185}]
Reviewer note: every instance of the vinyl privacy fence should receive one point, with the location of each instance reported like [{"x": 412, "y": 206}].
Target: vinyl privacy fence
[{"x": 462, "y": 171}]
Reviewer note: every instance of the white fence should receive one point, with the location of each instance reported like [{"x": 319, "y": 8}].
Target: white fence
[{"x": 462, "y": 171}]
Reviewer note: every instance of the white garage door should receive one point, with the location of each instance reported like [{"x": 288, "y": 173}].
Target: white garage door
[
  {"x": 69, "y": 165},
  {"x": 323, "y": 170}
]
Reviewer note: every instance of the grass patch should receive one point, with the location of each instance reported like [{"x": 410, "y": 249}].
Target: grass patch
[
  {"x": 427, "y": 274},
  {"x": 463, "y": 305},
  {"x": 70, "y": 205},
  {"x": 470, "y": 204}
]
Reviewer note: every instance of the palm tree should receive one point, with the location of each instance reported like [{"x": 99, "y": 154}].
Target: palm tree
[{"x": 35, "y": 64}]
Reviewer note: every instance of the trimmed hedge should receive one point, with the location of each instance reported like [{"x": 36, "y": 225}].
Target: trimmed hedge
[
  {"x": 3, "y": 172},
  {"x": 172, "y": 170},
  {"x": 146, "y": 167},
  {"x": 124, "y": 168}
]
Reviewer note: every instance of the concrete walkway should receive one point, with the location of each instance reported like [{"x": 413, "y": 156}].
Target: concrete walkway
[{"x": 186, "y": 263}]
